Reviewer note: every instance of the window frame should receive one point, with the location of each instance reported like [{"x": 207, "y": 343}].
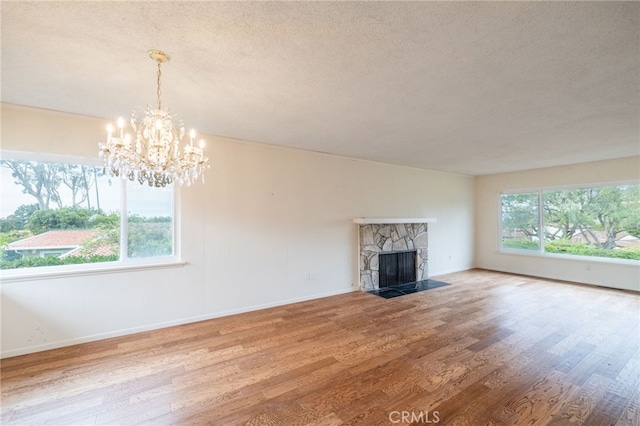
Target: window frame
[
  {"x": 124, "y": 263},
  {"x": 541, "y": 252}
]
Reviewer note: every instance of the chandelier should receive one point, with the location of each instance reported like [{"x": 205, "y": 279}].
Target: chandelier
[{"x": 154, "y": 155}]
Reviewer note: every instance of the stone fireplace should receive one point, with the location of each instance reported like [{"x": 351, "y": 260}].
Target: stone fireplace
[{"x": 393, "y": 235}]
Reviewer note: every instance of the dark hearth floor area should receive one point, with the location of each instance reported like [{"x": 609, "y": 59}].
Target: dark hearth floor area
[{"x": 407, "y": 288}]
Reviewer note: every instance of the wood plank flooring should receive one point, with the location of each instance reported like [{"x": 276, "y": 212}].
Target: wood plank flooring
[{"x": 491, "y": 348}]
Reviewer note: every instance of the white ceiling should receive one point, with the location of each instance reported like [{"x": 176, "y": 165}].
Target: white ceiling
[{"x": 466, "y": 87}]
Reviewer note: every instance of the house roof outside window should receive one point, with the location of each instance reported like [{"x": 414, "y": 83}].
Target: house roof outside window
[{"x": 63, "y": 239}]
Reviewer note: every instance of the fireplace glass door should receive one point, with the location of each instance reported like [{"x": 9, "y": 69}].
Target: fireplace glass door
[{"x": 397, "y": 268}]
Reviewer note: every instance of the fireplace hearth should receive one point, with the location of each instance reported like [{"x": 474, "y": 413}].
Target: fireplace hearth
[{"x": 408, "y": 288}]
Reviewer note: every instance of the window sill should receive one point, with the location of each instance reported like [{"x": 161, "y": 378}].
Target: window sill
[
  {"x": 592, "y": 259},
  {"x": 16, "y": 275}
]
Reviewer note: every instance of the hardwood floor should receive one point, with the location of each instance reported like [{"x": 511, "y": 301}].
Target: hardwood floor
[{"x": 491, "y": 348}]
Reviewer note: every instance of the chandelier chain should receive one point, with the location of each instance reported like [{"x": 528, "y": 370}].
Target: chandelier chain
[{"x": 158, "y": 92}]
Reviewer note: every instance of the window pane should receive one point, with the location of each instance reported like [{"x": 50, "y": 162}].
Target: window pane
[
  {"x": 149, "y": 221},
  {"x": 520, "y": 221},
  {"x": 56, "y": 214},
  {"x": 601, "y": 221}
]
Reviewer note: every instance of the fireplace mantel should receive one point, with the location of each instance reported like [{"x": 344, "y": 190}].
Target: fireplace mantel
[{"x": 392, "y": 220}]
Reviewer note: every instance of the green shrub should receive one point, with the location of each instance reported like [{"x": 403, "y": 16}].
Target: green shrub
[
  {"x": 150, "y": 239},
  {"x": 31, "y": 262},
  {"x": 520, "y": 244},
  {"x": 70, "y": 218},
  {"x": 582, "y": 249},
  {"x": 11, "y": 236},
  {"x": 568, "y": 247}
]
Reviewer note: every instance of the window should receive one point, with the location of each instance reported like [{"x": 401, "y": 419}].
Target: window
[
  {"x": 60, "y": 213},
  {"x": 596, "y": 221}
]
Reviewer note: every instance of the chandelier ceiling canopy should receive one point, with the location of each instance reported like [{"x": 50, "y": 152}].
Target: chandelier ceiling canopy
[{"x": 154, "y": 154}]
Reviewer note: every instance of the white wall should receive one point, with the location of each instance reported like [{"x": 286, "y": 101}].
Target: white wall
[
  {"x": 588, "y": 271},
  {"x": 265, "y": 218}
]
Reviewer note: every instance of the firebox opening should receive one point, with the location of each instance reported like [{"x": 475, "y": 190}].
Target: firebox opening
[{"x": 397, "y": 268}]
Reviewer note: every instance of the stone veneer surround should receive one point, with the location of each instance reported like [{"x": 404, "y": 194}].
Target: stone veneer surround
[{"x": 376, "y": 238}]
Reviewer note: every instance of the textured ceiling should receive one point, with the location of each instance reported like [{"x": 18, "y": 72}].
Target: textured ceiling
[{"x": 467, "y": 87}]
